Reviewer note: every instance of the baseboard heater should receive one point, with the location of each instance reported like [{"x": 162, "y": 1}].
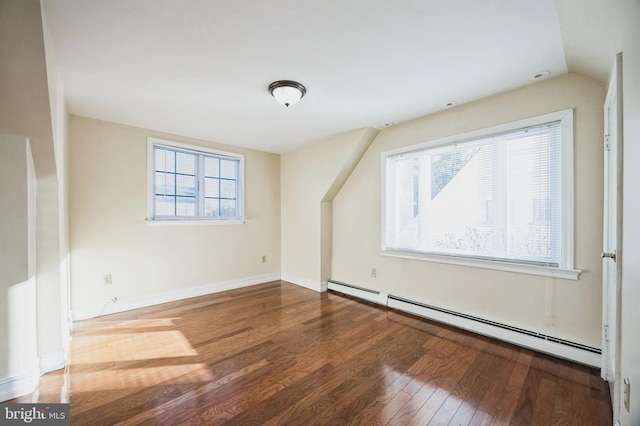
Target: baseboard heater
[
  {"x": 537, "y": 341},
  {"x": 359, "y": 292}
]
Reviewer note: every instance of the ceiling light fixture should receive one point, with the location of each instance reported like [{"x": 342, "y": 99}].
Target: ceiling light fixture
[{"x": 287, "y": 92}]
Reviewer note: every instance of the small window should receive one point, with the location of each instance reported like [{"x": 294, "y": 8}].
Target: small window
[
  {"x": 194, "y": 183},
  {"x": 500, "y": 195}
]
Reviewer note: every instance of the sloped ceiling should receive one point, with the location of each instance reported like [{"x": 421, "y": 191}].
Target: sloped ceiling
[
  {"x": 592, "y": 35},
  {"x": 201, "y": 68}
]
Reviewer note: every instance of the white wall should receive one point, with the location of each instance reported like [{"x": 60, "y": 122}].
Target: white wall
[
  {"x": 311, "y": 176},
  {"x": 630, "y": 332},
  {"x": 563, "y": 308},
  {"x": 150, "y": 264}
]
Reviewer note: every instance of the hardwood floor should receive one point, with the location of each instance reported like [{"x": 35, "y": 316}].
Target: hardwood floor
[{"x": 281, "y": 354}]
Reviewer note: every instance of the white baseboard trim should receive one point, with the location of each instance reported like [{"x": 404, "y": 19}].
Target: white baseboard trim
[
  {"x": 13, "y": 387},
  {"x": 374, "y": 296},
  {"x": 52, "y": 361},
  {"x": 531, "y": 340},
  {"x": 172, "y": 296},
  {"x": 305, "y": 282}
]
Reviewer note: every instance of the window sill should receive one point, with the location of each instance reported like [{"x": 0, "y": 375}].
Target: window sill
[
  {"x": 193, "y": 222},
  {"x": 566, "y": 274}
]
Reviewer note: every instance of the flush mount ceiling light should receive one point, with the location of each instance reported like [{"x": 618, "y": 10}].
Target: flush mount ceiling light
[{"x": 287, "y": 92}]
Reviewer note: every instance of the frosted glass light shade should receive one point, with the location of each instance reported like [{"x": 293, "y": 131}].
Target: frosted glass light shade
[{"x": 287, "y": 92}]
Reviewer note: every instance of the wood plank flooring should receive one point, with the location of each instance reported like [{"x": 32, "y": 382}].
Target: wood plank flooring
[{"x": 278, "y": 354}]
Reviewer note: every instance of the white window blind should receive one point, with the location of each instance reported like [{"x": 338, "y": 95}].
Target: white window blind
[{"x": 496, "y": 197}]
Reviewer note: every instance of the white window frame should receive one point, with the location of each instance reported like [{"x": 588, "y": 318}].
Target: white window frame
[
  {"x": 566, "y": 268},
  {"x": 191, "y": 220}
]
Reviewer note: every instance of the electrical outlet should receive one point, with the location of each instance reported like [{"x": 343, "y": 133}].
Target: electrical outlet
[
  {"x": 264, "y": 258},
  {"x": 106, "y": 279},
  {"x": 374, "y": 272},
  {"x": 626, "y": 392},
  {"x": 113, "y": 299}
]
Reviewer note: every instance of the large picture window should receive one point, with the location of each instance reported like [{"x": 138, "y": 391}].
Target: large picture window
[
  {"x": 501, "y": 196},
  {"x": 193, "y": 183}
]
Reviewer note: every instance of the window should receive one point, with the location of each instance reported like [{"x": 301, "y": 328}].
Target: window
[
  {"x": 499, "y": 198},
  {"x": 194, "y": 183}
]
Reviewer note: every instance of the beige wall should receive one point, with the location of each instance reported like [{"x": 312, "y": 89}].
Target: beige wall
[
  {"x": 563, "y": 308},
  {"x": 32, "y": 106},
  {"x": 311, "y": 176},
  {"x": 109, "y": 234},
  {"x": 17, "y": 260},
  {"x": 52, "y": 235},
  {"x": 14, "y": 208},
  {"x": 24, "y": 104}
]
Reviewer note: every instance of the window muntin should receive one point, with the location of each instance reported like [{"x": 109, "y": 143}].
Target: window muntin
[
  {"x": 499, "y": 195},
  {"x": 193, "y": 183}
]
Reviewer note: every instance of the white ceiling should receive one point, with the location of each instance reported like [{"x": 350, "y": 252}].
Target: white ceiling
[{"x": 200, "y": 68}]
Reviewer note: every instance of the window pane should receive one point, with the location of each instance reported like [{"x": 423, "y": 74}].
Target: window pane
[
  {"x": 458, "y": 222},
  {"x": 494, "y": 197},
  {"x": 165, "y": 160},
  {"x": 228, "y": 189},
  {"x": 211, "y": 187},
  {"x": 403, "y": 184},
  {"x": 185, "y": 206},
  {"x": 227, "y": 208},
  {"x": 212, "y": 207},
  {"x": 211, "y": 166},
  {"x": 228, "y": 168},
  {"x": 165, "y": 206},
  {"x": 447, "y": 164},
  {"x": 165, "y": 183},
  {"x": 185, "y": 163},
  {"x": 186, "y": 185}
]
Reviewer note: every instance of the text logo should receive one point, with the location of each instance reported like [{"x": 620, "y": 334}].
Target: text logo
[{"x": 34, "y": 414}]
